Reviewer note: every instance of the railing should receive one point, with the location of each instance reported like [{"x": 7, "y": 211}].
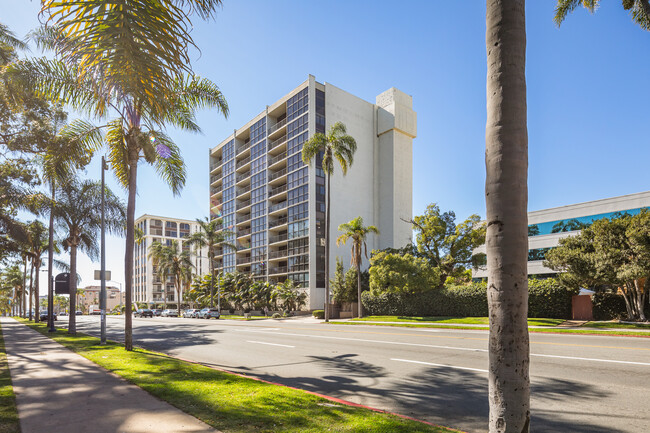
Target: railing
[
  {"x": 277, "y": 254},
  {"x": 278, "y": 125},
  {"x": 217, "y": 189},
  {"x": 277, "y": 190},
  {"x": 243, "y": 148},
  {"x": 278, "y": 141},
  {"x": 243, "y": 247},
  {"x": 243, "y": 190},
  {"x": 279, "y": 238},
  {"x": 243, "y": 232},
  {"x": 242, "y": 218},
  {"x": 300, "y": 250},
  {"x": 277, "y": 222},
  {"x": 278, "y": 270},
  {"x": 243, "y": 204},
  {"x": 214, "y": 178},
  {"x": 299, "y": 268},
  {"x": 277, "y": 174},
  {"x": 244, "y": 261},
  {"x": 242, "y": 176},
  {"x": 243, "y": 162},
  {"x": 277, "y": 158},
  {"x": 216, "y": 164},
  {"x": 277, "y": 206}
]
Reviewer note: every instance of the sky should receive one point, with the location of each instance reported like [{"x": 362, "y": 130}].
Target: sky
[{"x": 587, "y": 94}]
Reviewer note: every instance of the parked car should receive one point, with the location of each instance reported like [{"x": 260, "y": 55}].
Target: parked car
[
  {"x": 43, "y": 316},
  {"x": 190, "y": 312},
  {"x": 157, "y": 312},
  {"x": 144, "y": 312},
  {"x": 78, "y": 313},
  {"x": 209, "y": 313},
  {"x": 169, "y": 313},
  {"x": 63, "y": 314}
]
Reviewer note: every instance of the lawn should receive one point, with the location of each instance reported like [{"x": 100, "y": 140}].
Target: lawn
[
  {"x": 8, "y": 412},
  {"x": 229, "y": 402}
]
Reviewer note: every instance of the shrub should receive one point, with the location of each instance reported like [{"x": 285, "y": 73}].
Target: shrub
[
  {"x": 277, "y": 316},
  {"x": 547, "y": 298},
  {"x": 319, "y": 314}
]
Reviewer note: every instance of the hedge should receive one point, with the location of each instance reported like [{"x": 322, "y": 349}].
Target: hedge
[
  {"x": 609, "y": 306},
  {"x": 547, "y": 298}
]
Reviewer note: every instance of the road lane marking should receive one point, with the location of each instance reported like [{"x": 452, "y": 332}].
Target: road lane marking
[
  {"x": 439, "y": 365},
  {"x": 591, "y": 359},
  {"x": 271, "y": 344},
  {"x": 432, "y": 346}
]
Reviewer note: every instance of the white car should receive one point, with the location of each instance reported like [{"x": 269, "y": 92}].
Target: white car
[{"x": 169, "y": 313}]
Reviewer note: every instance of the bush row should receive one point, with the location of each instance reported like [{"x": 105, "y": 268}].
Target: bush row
[
  {"x": 546, "y": 298},
  {"x": 609, "y": 306}
]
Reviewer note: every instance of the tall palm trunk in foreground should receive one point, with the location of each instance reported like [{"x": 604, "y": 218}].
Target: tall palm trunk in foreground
[{"x": 506, "y": 194}]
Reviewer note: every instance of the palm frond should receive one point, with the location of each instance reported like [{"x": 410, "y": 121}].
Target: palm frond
[
  {"x": 117, "y": 151},
  {"x": 171, "y": 169}
]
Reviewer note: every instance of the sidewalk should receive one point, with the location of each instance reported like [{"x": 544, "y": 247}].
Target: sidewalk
[{"x": 60, "y": 391}]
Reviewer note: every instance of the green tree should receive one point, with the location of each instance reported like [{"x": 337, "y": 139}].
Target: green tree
[
  {"x": 337, "y": 285},
  {"x": 506, "y": 199},
  {"x": 448, "y": 246},
  {"x": 290, "y": 297},
  {"x": 172, "y": 262},
  {"x": 12, "y": 278},
  {"x": 335, "y": 145},
  {"x": 357, "y": 232},
  {"x": 37, "y": 246},
  {"x": 639, "y": 9},
  {"x": 130, "y": 59},
  {"x": 613, "y": 252},
  {"x": 211, "y": 235},
  {"x": 401, "y": 273},
  {"x": 75, "y": 212}
]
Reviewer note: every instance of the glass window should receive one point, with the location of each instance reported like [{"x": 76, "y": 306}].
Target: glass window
[
  {"x": 298, "y": 195},
  {"x": 229, "y": 150},
  {"x": 258, "y": 179},
  {"x": 229, "y": 167},
  {"x": 259, "y": 149},
  {"x": 170, "y": 229},
  {"x": 297, "y": 178},
  {"x": 297, "y": 127},
  {"x": 258, "y": 210},
  {"x": 295, "y": 162},
  {"x": 298, "y": 263},
  {"x": 574, "y": 224},
  {"x": 258, "y": 194},
  {"x": 295, "y": 144},
  {"x": 301, "y": 280},
  {"x": 258, "y": 224},
  {"x": 298, "y": 229},
  {"x": 258, "y": 239},
  {"x": 297, "y": 104},
  {"x": 258, "y": 165},
  {"x": 258, "y": 130},
  {"x": 229, "y": 180},
  {"x": 298, "y": 246}
]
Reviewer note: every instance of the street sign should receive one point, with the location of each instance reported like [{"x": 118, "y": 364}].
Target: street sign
[
  {"x": 62, "y": 284},
  {"x": 98, "y": 275}
]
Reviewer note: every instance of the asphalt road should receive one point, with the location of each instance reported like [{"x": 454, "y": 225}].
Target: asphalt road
[{"x": 580, "y": 384}]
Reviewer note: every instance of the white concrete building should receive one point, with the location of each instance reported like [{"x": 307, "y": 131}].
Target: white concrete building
[
  {"x": 274, "y": 204},
  {"x": 147, "y": 284},
  {"x": 546, "y": 227}
]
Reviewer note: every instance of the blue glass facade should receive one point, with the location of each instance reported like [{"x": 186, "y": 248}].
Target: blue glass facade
[{"x": 572, "y": 224}]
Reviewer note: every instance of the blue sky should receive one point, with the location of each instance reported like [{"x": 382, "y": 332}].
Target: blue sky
[{"x": 587, "y": 93}]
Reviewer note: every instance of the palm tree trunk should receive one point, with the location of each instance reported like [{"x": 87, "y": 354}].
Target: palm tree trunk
[
  {"x": 360, "y": 307},
  {"x": 128, "y": 256},
  {"x": 23, "y": 307},
  {"x": 31, "y": 294},
  {"x": 211, "y": 280},
  {"x": 72, "y": 321},
  {"x": 327, "y": 252},
  {"x": 506, "y": 194},
  {"x": 37, "y": 286}
]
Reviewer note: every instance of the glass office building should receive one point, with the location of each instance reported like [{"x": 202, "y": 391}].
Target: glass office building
[{"x": 272, "y": 205}]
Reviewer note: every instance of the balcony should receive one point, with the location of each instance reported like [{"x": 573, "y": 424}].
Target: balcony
[
  {"x": 216, "y": 189},
  {"x": 280, "y": 124},
  {"x": 279, "y": 238},
  {"x": 242, "y": 176},
  {"x": 277, "y": 174},
  {"x": 275, "y": 159},
  {"x": 278, "y": 206},
  {"x": 243, "y": 190},
  {"x": 216, "y": 164},
  {"x": 278, "y": 270},
  {"x": 243, "y": 204},
  {"x": 277, "y": 142},
  {"x": 243, "y": 232},
  {"x": 299, "y": 268},
  {"x": 277, "y": 190},
  {"x": 277, "y": 254},
  {"x": 242, "y": 162},
  {"x": 243, "y": 218},
  {"x": 243, "y": 248},
  {"x": 215, "y": 178},
  {"x": 278, "y": 222},
  {"x": 243, "y": 148},
  {"x": 244, "y": 261}
]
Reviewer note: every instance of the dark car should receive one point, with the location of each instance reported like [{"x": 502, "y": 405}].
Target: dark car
[
  {"x": 143, "y": 312},
  {"x": 43, "y": 316},
  {"x": 209, "y": 313}
]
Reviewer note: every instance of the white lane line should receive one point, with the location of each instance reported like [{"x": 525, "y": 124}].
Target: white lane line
[
  {"x": 433, "y": 346},
  {"x": 591, "y": 359},
  {"x": 270, "y": 344},
  {"x": 439, "y": 365}
]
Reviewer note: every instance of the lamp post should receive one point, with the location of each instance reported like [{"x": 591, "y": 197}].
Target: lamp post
[{"x": 102, "y": 293}]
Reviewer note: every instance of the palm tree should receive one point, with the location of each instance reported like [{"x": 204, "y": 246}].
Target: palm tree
[
  {"x": 640, "y": 10},
  {"x": 37, "y": 246},
  {"x": 173, "y": 263},
  {"x": 76, "y": 211},
  {"x": 13, "y": 277},
  {"x": 506, "y": 196},
  {"x": 212, "y": 236},
  {"x": 130, "y": 59},
  {"x": 335, "y": 145},
  {"x": 356, "y": 231}
]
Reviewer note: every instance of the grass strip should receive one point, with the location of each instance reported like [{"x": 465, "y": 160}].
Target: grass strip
[
  {"x": 450, "y": 319},
  {"x": 9, "y": 422},
  {"x": 550, "y": 330},
  {"x": 229, "y": 402},
  {"x": 617, "y": 325}
]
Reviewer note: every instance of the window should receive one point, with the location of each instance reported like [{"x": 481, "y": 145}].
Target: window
[
  {"x": 298, "y": 212},
  {"x": 298, "y": 104},
  {"x": 258, "y": 210},
  {"x": 295, "y": 162},
  {"x": 258, "y": 130},
  {"x": 170, "y": 229},
  {"x": 299, "y": 263},
  {"x": 258, "y": 180},
  {"x": 229, "y": 193},
  {"x": 297, "y": 178},
  {"x": 258, "y": 149},
  {"x": 184, "y": 230},
  {"x": 258, "y": 239},
  {"x": 298, "y": 229},
  {"x": 295, "y": 144},
  {"x": 229, "y": 180},
  {"x": 229, "y": 167},
  {"x": 258, "y": 165},
  {"x": 258, "y": 254},
  {"x": 297, "y": 126},
  {"x": 298, "y": 246},
  {"x": 156, "y": 227},
  {"x": 301, "y": 280},
  {"x": 298, "y": 195},
  {"x": 258, "y": 194},
  {"x": 258, "y": 225},
  {"x": 228, "y": 207},
  {"x": 229, "y": 150}
]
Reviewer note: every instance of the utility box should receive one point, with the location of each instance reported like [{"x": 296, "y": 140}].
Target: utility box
[{"x": 62, "y": 284}]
